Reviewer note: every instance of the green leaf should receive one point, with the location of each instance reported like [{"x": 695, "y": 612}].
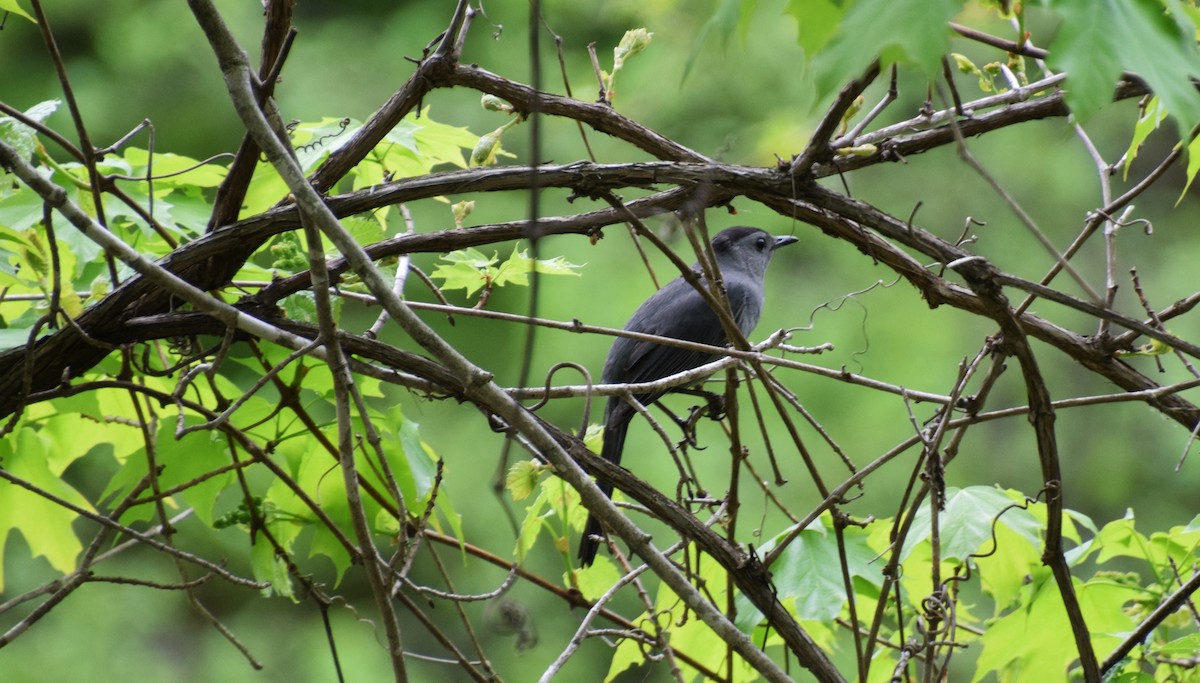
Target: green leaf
[
  {"x": 818, "y": 21},
  {"x": 316, "y": 141},
  {"x": 593, "y": 438},
  {"x": 809, "y": 570},
  {"x": 471, "y": 257},
  {"x": 555, "y": 266},
  {"x": 1030, "y": 638},
  {"x": 17, "y": 134},
  {"x": 302, "y": 307},
  {"x": 85, "y": 250},
  {"x": 20, "y": 211},
  {"x": 1002, "y": 574},
  {"x": 518, "y": 266},
  {"x": 184, "y": 460},
  {"x": 326, "y": 544},
  {"x": 1193, "y": 525},
  {"x": 597, "y": 579},
  {"x": 531, "y": 526},
  {"x": 1119, "y": 538},
  {"x": 1086, "y": 49},
  {"x": 12, "y": 337},
  {"x": 1152, "y": 115},
  {"x": 723, "y": 22},
  {"x": 386, "y": 523},
  {"x": 418, "y": 464},
  {"x": 321, "y": 478},
  {"x": 633, "y": 42},
  {"x": 79, "y": 431},
  {"x": 1131, "y": 677},
  {"x": 522, "y": 479},
  {"x": 440, "y": 143},
  {"x": 465, "y": 269},
  {"x": 14, "y": 6},
  {"x": 966, "y": 523},
  {"x": 869, "y": 29},
  {"x": 515, "y": 270},
  {"x": 364, "y": 229},
  {"x": 555, "y": 500},
  {"x": 691, "y": 635},
  {"x": 1100, "y": 38},
  {"x": 414, "y": 147},
  {"x": 1193, "y": 165},
  {"x": 446, "y": 511},
  {"x": 272, "y": 569},
  {"x": 1103, "y": 605},
  {"x": 46, "y": 526},
  {"x": 628, "y": 654},
  {"x": 265, "y": 189},
  {"x": 710, "y": 651},
  {"x": 1177, "y": 545},
  {"x": 1186, "y": 646},
  {"x": 405, "y": 135}
]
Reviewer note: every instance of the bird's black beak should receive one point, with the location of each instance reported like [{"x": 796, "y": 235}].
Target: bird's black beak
[{"x": 784, "y": 241}]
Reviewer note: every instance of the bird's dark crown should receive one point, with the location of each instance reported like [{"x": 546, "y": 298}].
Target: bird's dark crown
[{"x": 729, "y": 236}]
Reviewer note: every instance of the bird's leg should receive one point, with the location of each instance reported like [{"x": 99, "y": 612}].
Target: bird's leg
[
  {"x": 689, "y": 426},
  {"x": 715, "y": 403},
  {"x": 714, "y": 408},
  {"x": 686, "y": 425}
]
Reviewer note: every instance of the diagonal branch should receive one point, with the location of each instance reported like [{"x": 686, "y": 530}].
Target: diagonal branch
[
  {"x": 982, "y": 279},
  {"x": 818, "y": 149},
  {"x": 406, "y": 99},
  {"x": 1152, "y": 621},
  {"x": 277, "y": 35}
]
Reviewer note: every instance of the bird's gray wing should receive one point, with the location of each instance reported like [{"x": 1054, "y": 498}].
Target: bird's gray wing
[{"x": 676, "y": 311}]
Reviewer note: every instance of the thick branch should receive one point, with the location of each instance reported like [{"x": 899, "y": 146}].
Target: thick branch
[
  {"x": 834, "y": 214},
  {"x": 984, "y": 281}
]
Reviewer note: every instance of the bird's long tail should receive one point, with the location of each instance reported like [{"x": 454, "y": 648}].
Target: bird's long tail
[{"x": 614, "y": 443}]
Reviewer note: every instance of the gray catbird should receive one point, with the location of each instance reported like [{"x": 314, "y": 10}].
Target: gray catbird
[{"x": 678, "y": 311}]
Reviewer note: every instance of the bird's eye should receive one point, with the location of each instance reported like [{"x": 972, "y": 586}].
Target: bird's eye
[{"x": 761, "y": 243}]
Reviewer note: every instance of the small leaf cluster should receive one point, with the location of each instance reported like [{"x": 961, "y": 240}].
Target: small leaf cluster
[{"x": 472, "y": 270}]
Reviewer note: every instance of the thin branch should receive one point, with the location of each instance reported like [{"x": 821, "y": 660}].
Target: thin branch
[
  {"x": 1152, "y": 621},
  {"x": 1023, "y": 49}
]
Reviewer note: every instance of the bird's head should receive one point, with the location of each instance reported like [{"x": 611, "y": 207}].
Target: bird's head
[{"x": 747, "y": 251}]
